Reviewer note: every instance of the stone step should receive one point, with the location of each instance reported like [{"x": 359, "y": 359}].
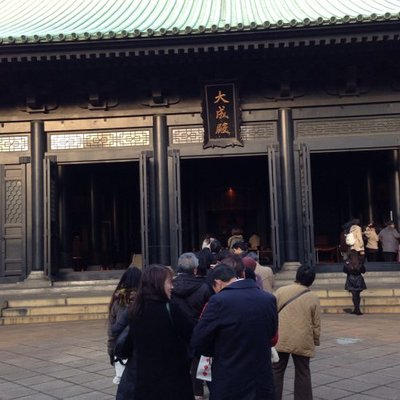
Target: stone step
[
  {"x": 319, "y": 275},
  {"x": 51, "y": 318},
  {"x": 376, "y": 300},
  {"x": 55, "y": 310},
  {"x": 372, "y": 278},
  {"x": 58, "y": 301},
  {"x": 59, "y": 288},
  {"x": 341, "y": 281},
  {"x": 373, "y": 292},
  {"x": 364, "y": 309},
  {"x": 322, "y": 275},
  {"x": 88, "y": 300},
  {"x": 365, "y": 301},
  {"x": 47, "y": 314}
]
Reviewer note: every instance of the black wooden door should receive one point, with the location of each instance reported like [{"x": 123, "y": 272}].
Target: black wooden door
[
  {"x": 175, "y": 208},
  {"x": 305, "y": 206},
  {"x": 273, "y": 171},
  {"x": 13, "y": 255}
]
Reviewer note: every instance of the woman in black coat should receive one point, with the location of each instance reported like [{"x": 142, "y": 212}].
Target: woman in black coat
[
  {"x": 160, "y": 333},
  {"x": 122, "y": 296},
  {"x": 355, "y": 283}
]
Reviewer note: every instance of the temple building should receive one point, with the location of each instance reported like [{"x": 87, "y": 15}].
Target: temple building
[{"x": 138, "y": 127}]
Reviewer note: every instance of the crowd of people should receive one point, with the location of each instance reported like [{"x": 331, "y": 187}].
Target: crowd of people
[
  {"x": 218, "y": 304},
  {"x": 371, "y": 243},
  {"x": 358, "y": 245}
]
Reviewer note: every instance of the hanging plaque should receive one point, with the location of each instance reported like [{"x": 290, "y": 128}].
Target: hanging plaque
[{"x": 221, "y": 115}]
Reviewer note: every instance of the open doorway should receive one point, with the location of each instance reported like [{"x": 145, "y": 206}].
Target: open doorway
[
  {"x": 219, "y": 194},
  {"x": 99, "y": 215},
  {"x": 348, "y": 185}
]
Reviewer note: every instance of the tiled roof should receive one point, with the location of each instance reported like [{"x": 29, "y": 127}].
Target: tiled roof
[{"x": 42, "y": 21}]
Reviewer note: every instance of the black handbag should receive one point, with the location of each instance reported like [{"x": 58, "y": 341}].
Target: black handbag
[
  {"x": 352, "y": 267},
  {"x": 123, "y": 345}
]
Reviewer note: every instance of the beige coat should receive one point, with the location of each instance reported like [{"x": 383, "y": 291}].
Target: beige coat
[
  {"x": 299, "y": 321},
  {"x": 267, "y": 277},
  {"x": 357, "y": 232},
  {"x": 373, "y": 238}
]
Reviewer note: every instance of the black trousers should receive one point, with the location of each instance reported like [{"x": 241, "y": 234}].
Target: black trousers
[
  {"x": 198, "y": 388},
  {"x": 372, "y": 254},
  {"x": 388, "y": 256},
  {"x": 302, "y": 376}
]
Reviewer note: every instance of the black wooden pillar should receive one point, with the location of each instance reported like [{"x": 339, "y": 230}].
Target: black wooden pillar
[
  {"x": 290, "y": 229},
  {"x": 395, "y": 187},
  {"x": 94, "y": 223},
  {"x": 161, "y": 195},
  {"x": 370, "y": 199},
  {"x": 38, "y": 149}
]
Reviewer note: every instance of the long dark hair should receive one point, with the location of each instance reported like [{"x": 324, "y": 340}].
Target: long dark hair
[
  {"x": 151, "y": 288},
  {"x": 128, "y": 283}
]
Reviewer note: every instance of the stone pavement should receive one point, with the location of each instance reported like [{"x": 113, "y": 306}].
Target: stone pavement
[{"x": 359, "y": 359}]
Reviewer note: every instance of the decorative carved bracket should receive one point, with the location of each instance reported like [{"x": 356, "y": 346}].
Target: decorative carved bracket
[
  {"x": 98, "y": 97},
  {"x": 284, "y": 88},
  {"x": 35, "y": 98},
  {"x": 98, "y": 101},
  {"x": 159, "y": 96},
  {"x": 39, "y": 104},
  {"x": 351, "y": 84}
]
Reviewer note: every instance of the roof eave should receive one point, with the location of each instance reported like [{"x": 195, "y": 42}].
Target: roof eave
[{"x": 216, "y": 41}]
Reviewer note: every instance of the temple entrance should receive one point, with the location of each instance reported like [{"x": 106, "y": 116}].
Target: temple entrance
[
  {"x": 219, "y": 194},
  {"x": 99, "y": 215},
  {"x": 339, "y": 194}
]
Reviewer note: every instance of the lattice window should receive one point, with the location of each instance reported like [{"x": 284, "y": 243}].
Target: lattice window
[
  {"x": 187, "y": 135},
  {"x": 193, "y": 135},
  {"x": 86, "y": 140},
  {"x": 14, "y": 143},
  {"x": 354, "y": 126},
  {"x": 257, "y": 132},
  {"x": 13, "y": 202}
]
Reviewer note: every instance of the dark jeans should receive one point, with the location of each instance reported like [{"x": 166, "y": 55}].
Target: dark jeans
[{"x": 302, "y": 376}]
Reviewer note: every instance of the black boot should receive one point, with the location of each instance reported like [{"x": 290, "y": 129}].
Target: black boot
[{"x": 356, "y": 302}]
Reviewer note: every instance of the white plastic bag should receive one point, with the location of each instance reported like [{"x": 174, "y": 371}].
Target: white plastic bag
[
  {"x": 274, "y": 355},
  {"x": 119, "y": 369},
  {"x": 204, "y": 369}
]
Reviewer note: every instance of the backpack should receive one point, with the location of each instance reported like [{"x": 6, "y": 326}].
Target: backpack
[{"x": 350, "y": 239}]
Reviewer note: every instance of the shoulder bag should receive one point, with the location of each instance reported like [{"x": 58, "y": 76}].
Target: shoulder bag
[{"x": 293, "y": 298}]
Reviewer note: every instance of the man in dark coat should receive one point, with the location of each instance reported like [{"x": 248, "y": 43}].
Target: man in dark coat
[
  {"x": 189, "y": 291},
  {"x": 237, "y": 329}
]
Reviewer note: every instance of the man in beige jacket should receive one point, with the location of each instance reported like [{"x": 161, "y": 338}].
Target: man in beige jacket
[{"x": 299, "y": 332}]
